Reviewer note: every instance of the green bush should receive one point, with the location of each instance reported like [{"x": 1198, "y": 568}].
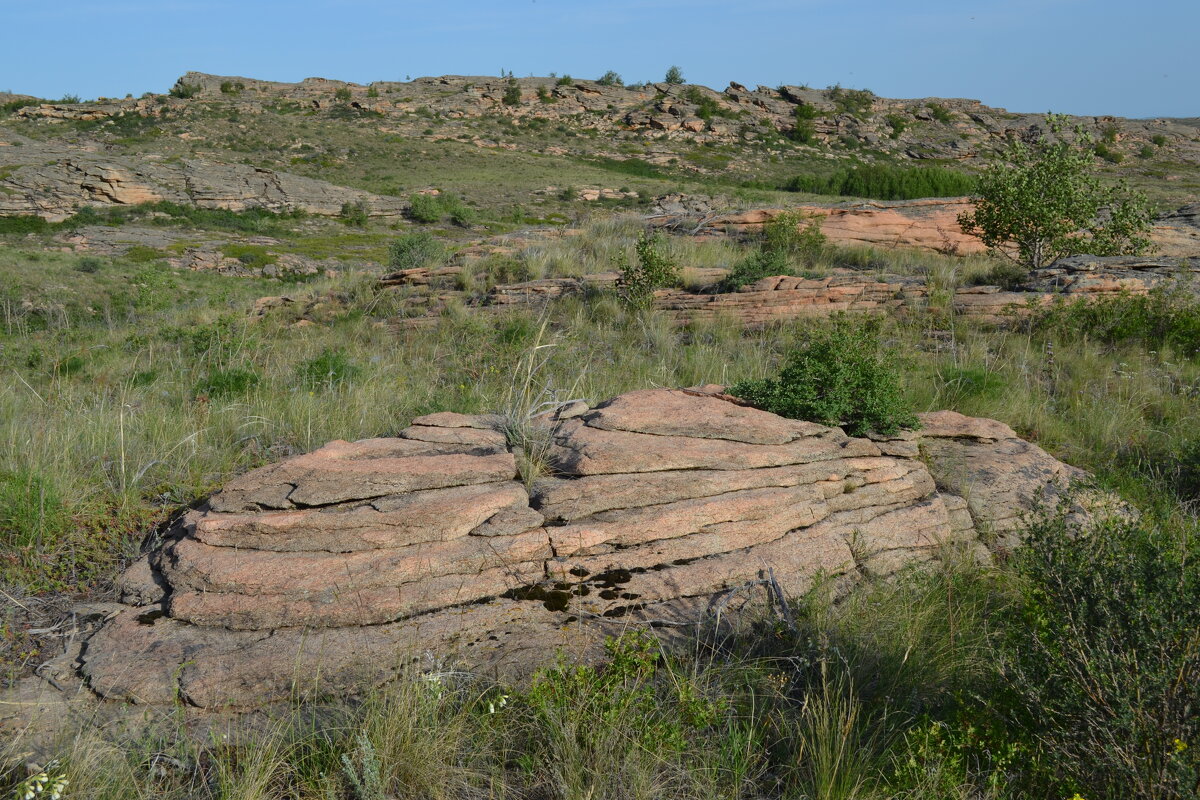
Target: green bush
[
  {"x": 898, "y": 123},
  {"x": 762, "y": 263},
  {"x": 354, "y": 213},
  {"x": 940, "y": 113},
  {"x": 1106, "y": 153},
  {"x": 221, "y": 384},
  {"x": 181, "y": 90},
  {"x": 544, "y": 95},
  {"x": 855, "y": 102},
  {"x": 512, "y": 95},
  {"x": 254, "y": 256},
  {"x": 1158, "y": 139},
  {"x": 88, "y": 265},
  {"x": 610, "y": 78},
  {"x": 230, "y": 87},
  {"x": 329, "y": 370},
  {"x": 565, "y": 80},
  {"x": 424, "y": 208},
  {"x": 413, "y": 250},
  {"x": 803, "y": 129},
  {"x": 885, "y": 182},
  {"x": 842, "y": 375},
  {"x": 795, "y": 235},
  {"x": 1146, "y": 151},
  {"x": 706, "y": 106},
  {"x": 674, "y": 76},
  {"x": 343, "y": 94},
  {"x": 1102, "y": 654},
  {"x": 652, "y": 269}
]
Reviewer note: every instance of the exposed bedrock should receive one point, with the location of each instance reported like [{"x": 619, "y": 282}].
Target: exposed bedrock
[{"x": 331, "y": 570}]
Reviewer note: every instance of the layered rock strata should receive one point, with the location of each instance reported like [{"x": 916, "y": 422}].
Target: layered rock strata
[{"x": 331, "y": 570}]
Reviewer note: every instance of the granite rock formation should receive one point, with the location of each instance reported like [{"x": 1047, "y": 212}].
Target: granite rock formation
[{"x": 331, "y": 570}]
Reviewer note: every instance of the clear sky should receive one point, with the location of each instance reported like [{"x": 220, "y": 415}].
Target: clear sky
[{"x": 1136, "y": 59}]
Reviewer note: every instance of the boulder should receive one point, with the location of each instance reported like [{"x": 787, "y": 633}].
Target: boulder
[{"x": 330, "y": 571}]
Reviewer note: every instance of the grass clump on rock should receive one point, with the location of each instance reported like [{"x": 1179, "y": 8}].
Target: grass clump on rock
[{"x": 840, "y": 376}]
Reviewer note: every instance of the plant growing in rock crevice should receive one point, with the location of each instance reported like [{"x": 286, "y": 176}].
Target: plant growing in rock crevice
[
  {"x": 841, "y": 376},
  {"x": 653, "y": 268}
]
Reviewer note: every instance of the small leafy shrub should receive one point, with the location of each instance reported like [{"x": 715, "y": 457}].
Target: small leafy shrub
[
  {"x": 329, "y": 370},
  {"x": 414, "y": 250},
  {"x": 544, "y": 95},
  {"x": 804, "y": 128},
  {"x": 674, "y": 76},
  {"x": 1146, "y": 151},
  {"x": 505, "y": 269},
  {"x": 230, "y": 87},
  {"x": 1158, "y": 139},
  {"x": 796, "y": 235},
  {"x": 1109, "y": 133},
  {"x": 842, "y": 375},
  {"x": 1006, "y": 275},
  {"x": 88, "y": 265},
  {"x": 1102, "y": 654},
  {"x": 610, "y": 78},
  {"x": 512, "y": 95},
  {"x": 762, "y": 263},
  {"x": 855, "y": 102},
  {"x": 254, "y": 256},
  {"x": 1106, "y": 153},
  {"x": 354, "y": 213},
  {"x": 898, "y": 123},
  {"x": 652, "y": 269},
  {"x": 940, "y": 113},
  {"x": 706, "y": 106},
  {"x": 565, "y": 80},
  {"x": 220, "y": 384},
  {"x": 141, "y": 254},
  {"x": 343, "y": 94},
  {"x": 424, "y": 208},
  {"x": 181, "y": 90}
]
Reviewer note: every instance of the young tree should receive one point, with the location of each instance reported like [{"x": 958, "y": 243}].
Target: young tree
[
  {"x": 1043, "y": 202},
  {"x": 674, "y": 75},
  {"x": 610, "y": 78}
]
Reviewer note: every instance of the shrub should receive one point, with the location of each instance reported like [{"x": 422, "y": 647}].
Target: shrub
[
  {"x": 544, "y": 95},
  {"x": 23, "y": 223},
  {"x": 414, "y": 250},
  {"x": 804, "y": 128},
  {"x": 1103, "y": 653},
  {"x": 851, "y": 101},
  {"x": 674, "y": 76},
  {"x": 225, "y": 383},
  {"x": 354, "y": 213},
  {"x": 1106, "y": 153},
  {"x": 940, "y": 113},
  {"x": 329, "y": 370},
  {"x": 1158, "y": 139},
  {"x": 840, "y": 376},
  {"x": 229, "y": 87},
  {"x": 1043, "y": 202},
  {"x": 424, "y": 208},
  {"x": 706, "y": 106},
  {"x": 1166, "y": 316},
  {"x": 762, "y": 263},
  {"x": 183, "y": 91},
  {"x": 565, "y": 80},
  {"x": 1146, "y": 151},
  {"x": 885, "y": 182},
  {"x": 653, "y": 269},
  {"x": 610, "y": 78},
  {"x": 512, "y": 95},
  {"x": 343, "y": 94},
  {"x": 89, "y": 265},
  {"x": 254, "y": 256},
  {"x": 898, "y": 123},
  {"x": 796, "y": 236}
]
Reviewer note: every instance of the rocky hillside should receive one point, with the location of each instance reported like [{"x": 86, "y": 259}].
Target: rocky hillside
[{"x": 233, "y": 142}]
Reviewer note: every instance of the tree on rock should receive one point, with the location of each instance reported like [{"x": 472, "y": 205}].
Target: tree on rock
[
  {"x": 1042, "y": 201},
  {"x": 674, "y": 75}
]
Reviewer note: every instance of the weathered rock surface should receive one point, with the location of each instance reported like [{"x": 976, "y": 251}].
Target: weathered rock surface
[
  {"x": 54, "y": 180},
  {"x": 329, "y": 571}
]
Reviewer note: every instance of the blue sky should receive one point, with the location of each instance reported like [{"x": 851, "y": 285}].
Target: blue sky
[{"x": 1075, "y": 56}]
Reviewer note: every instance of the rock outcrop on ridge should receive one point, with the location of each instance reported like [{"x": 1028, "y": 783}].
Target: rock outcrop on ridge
[{"x": 330, "y": 571}]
